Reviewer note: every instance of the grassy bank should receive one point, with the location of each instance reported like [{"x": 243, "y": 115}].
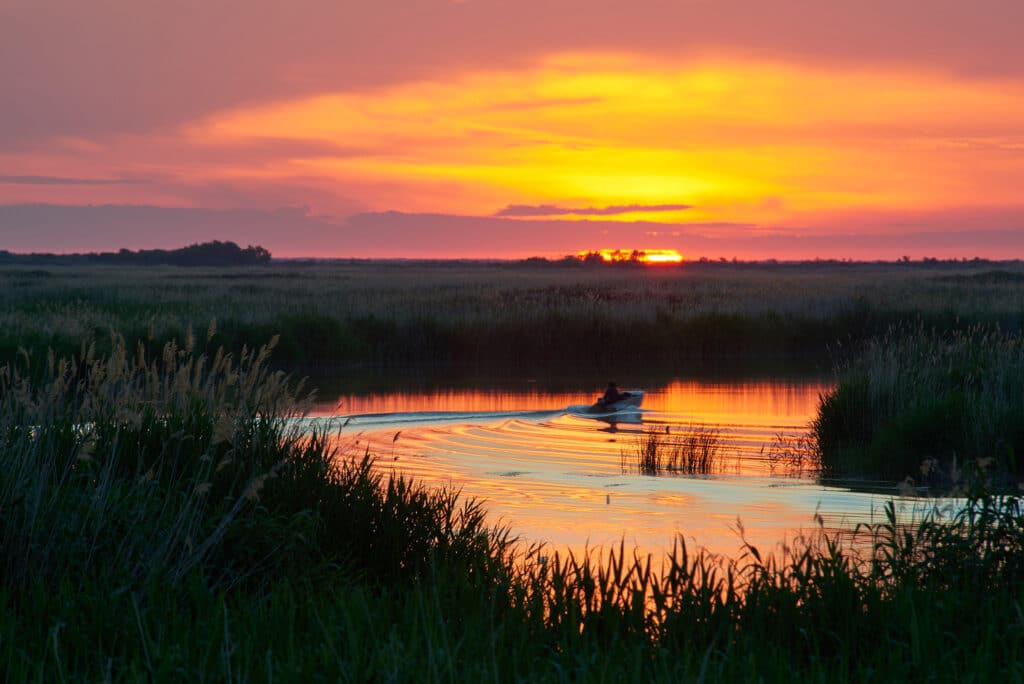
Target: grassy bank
[
  {"x": 394, "y": 313},
  {"x": 162, "y": 518},
  {"x": 929, "y": 405}
]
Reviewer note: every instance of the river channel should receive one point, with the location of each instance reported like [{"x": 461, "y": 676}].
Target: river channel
[{"x": 555, "y": 474}]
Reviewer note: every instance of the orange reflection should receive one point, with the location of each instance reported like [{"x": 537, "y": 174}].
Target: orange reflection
[
  {"x": 763, "y": 404},
  {"x": 454, "y": 400},
  {"x": 554, "y": 475},
  {"x": 760, "y": 403}
]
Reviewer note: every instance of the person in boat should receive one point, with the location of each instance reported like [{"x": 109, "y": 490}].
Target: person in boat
[{"x": 612, "y": 395}]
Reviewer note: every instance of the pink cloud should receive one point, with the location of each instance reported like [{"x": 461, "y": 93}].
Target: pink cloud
[{"x": 92, "y": 69}]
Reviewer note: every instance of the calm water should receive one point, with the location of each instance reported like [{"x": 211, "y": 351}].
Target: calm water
[{"x": 554, "y": 474}]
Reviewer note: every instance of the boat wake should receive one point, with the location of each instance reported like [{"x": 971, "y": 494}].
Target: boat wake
[
  {"x": 415, "y": 419},
  {"x": 401, "y": 420}
]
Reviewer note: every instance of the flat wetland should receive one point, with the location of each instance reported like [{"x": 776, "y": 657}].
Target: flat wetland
[
  {"x": 471, "y": 369},
  {"x": 506, "y": 314},
  {"x": 821, "y": 483}
]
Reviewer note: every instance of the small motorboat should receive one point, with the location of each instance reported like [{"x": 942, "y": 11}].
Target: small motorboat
[{"x": 629, "y": 400}]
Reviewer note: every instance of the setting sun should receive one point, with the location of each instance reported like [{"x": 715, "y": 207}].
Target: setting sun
[{"x": 645, "y": 256}]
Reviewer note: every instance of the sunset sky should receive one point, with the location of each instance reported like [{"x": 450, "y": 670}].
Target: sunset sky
[{"x": 487, "y": 128}]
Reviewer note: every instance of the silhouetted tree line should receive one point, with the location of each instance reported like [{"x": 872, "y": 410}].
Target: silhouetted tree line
[
  {"x": 215, "y": 253},
  {"x": 594, "y": 260}
]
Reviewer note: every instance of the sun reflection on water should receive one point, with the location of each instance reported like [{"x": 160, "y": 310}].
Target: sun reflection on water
[{"x": 554, "y": 474}]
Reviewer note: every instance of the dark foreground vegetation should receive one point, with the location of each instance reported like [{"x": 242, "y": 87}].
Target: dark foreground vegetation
[
  {"x": 928, "y": 405},
  {"x": 166, "y": 519},
  {"x": 391, "y": 314}
]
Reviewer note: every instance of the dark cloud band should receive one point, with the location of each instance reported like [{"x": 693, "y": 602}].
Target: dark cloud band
[
  {"x": 524, "y": 210},
  {"x": 58, "y": 180}
]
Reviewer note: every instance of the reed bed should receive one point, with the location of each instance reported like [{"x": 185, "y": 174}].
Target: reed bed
[
  {"x": 694, "y": 451},
  {"x": 137, "y": 469},
  {"x": 162, "y": 518},
  {"x": 793, "y": 455},
  {"x": 409, "y": 313},
  {"x": 927, "y": 405}
]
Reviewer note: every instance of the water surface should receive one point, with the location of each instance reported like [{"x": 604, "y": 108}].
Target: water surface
[{"x": 554, "y": 473}]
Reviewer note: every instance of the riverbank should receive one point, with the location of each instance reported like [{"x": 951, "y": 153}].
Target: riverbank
[{"x": 161, "y": 522}]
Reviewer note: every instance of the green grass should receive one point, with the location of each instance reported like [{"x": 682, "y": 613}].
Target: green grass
[
  {"x": 397, "y": 314},
  {"x": 133, "y": 470},
  {"x": 163, "y": 518},
  {"x": 927, "y": 405}
]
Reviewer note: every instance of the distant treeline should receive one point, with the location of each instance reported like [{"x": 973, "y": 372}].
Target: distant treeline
[
  {"x": 215, "y": 253},
  {"x": 594, "y": 260}
]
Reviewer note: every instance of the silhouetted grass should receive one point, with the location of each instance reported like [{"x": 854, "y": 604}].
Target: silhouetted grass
[
  {"x": 165, "y": 518},
  {"x": 695, "y": 451},
  {"x": 927, "y": 405},
  {"x": 130, "y": 470},
  {"x": 794, "y": 455}
]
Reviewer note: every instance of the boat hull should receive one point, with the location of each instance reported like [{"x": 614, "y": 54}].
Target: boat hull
[{"x": 631, "y": 402}]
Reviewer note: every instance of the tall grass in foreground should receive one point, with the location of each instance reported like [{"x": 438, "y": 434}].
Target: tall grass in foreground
[
  {"x": 695, "y": 451},
  {"x": 127, "y": 470},
  {"x": 162, "y": 519},
  {"x": 928, "y": 405}
]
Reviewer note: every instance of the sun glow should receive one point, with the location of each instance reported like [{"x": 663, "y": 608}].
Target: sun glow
[
  {"x": 644, "y": 256},
  {"x": 722, "y": 137},
  {"x": 720, "y": 148}
]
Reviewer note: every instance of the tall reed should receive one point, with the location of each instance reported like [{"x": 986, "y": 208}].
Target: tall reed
[
  {"x": 133, "y": 468},
  {"x": 695, "y": 451},
  {"x": 163, "y": 518},
  {"x": 794, "y": 455},
  {"x": 927, "y": 404}
]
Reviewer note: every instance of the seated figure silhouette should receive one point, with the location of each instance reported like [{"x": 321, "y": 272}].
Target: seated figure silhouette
[{"x": 612, "y": 395}]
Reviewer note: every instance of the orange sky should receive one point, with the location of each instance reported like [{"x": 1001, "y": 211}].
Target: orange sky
[{"x": 866, "y": 138}]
